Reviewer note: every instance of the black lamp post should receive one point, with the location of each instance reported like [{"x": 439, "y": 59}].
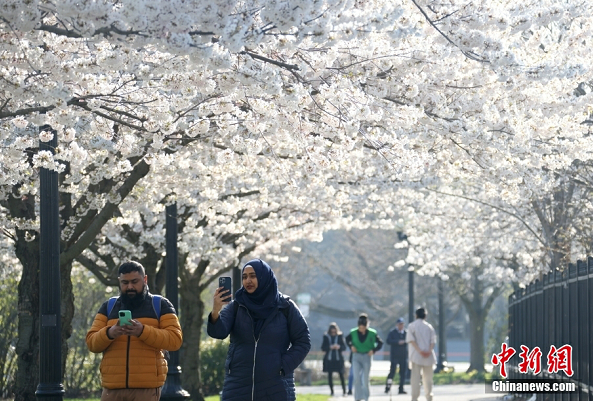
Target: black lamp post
[
  {"x": 172, "y": 389},
  {"x": 442, "y": 357},
  {"x": 50, "y": 329},
  {"x": 411, "y": 312}
]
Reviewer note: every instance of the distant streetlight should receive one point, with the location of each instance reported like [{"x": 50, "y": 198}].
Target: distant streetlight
[
  {"x": 442, "y": 357},
  {"x": 410, "y": 294},
  {"x": 401, "y": 236}
]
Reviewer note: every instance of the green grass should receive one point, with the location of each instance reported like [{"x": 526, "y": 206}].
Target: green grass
[
  {"x": 312, "y": 397},
  {"x": 462, "y": 377}
]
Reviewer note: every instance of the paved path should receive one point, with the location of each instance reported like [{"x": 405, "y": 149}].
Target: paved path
[
  {"x": 379, "y": 368},
  {"x": 452, "y": 392}
]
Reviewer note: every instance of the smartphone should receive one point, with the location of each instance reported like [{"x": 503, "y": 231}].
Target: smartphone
[
  {"x": 225, "y": 282},
  {"x": 124, "y": 317}
]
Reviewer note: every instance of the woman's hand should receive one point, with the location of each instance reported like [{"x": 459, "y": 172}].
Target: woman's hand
[{"x": 221, "y": 298}]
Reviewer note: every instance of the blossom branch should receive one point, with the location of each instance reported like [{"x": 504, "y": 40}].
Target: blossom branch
[
  {"x": 107, "y": 31},
  {"x": 516, "y": 216},
  {"x": 469, "y": 54},
  {"x": 271, "y": 61},
  {"x": 139, "y": 171}
]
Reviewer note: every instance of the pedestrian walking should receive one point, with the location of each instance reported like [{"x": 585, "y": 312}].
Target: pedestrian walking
[
  {"x": 398, "y": 355},
  {"x": 134, "y": 366},
  {"x": 269, "y": 337},
  {"x": 363, "y": 342},
  {"x": 333, "y": 361},
  {"x": 422, "y": 338}
]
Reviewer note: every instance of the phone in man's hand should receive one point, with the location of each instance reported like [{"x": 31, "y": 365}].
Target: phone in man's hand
[
  {"x": 124, "y": 317},
  {"x": 226, "y": 284}
]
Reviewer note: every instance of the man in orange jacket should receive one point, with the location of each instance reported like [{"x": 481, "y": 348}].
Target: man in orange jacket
[{"x": 134, "y": 365}]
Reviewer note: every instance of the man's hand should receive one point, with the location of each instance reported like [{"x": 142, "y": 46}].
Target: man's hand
[
  {"x": 115, "y": 331},
  {"x": 425, "y": 354},
  {"x": 371, "y": 352},
  {"x": 135, "y": 329},
  {"x": 353, "y": 348}
]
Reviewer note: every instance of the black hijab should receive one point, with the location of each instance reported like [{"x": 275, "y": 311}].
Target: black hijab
[{"x": 266, "y": 298}]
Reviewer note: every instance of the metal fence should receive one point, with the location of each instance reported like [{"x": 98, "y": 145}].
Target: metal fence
[{"x": 556, "y": 311}]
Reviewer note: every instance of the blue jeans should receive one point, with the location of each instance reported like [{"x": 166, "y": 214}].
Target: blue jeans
[{"x": 361, "y": 365}]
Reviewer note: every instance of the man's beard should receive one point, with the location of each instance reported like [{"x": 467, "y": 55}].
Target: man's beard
[{"x": 135, "y": 299}]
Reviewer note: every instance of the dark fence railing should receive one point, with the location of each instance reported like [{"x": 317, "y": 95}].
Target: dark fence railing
[{"x": 555, "y": 312}]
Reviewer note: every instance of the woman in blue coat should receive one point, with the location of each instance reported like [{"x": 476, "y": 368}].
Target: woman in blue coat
[{"x": 269, "y": 337}]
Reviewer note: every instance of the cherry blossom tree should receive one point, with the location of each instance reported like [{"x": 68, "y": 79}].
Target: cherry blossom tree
[
  {"x": 345, "y": 103},
  {"x": 480, "y": 244}
]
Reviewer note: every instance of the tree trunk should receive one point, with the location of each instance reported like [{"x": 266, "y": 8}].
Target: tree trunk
[
  {"x": 150, "y": 261},
  {"x": 27, "y": 347},
  {"x": 66, "y": 296},
  {"x": 67, "y": 310},
  {"x": 192, "y": 312},
  {"x": 556, "y": 216},
  {"x": 477, "y": 306},
  {"x": 477, "y": 320}
]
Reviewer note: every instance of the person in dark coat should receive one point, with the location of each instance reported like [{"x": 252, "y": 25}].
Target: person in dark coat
[
  {"x": 333, "y": 361},
  {"x": 399, "y": 355},
  {"x": 269, "y": 337}
]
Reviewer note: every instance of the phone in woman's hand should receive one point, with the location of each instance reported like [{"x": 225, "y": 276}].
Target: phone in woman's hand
[{"x": 226, "y": 284}]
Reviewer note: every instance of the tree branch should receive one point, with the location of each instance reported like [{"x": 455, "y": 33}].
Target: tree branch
[
  {"x": 140, "y": 170},
  {"x": 468, "y": 54},
  {"x": 97, "y": 271},
  {"x": 26, "y": 111},
  {"x": 494, "y": 207},
  {"x": 107, "y": 31},
  {"x": 271, "y": 61}
]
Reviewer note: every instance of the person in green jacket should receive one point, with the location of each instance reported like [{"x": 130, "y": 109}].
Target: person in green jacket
[{"x": 363, "y": 342}]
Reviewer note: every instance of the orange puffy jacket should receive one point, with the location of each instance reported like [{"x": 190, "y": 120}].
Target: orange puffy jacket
[{"x": 135, "y": 362}]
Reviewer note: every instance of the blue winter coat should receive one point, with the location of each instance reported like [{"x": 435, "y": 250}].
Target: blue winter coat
[{"x": 261, "y": 369}]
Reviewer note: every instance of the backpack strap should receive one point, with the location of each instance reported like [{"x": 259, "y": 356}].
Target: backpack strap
[
  {"x": 156, "y": 305},
  {"x": 286, "y": 310},
  {"x": 110, "y": 305}
]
